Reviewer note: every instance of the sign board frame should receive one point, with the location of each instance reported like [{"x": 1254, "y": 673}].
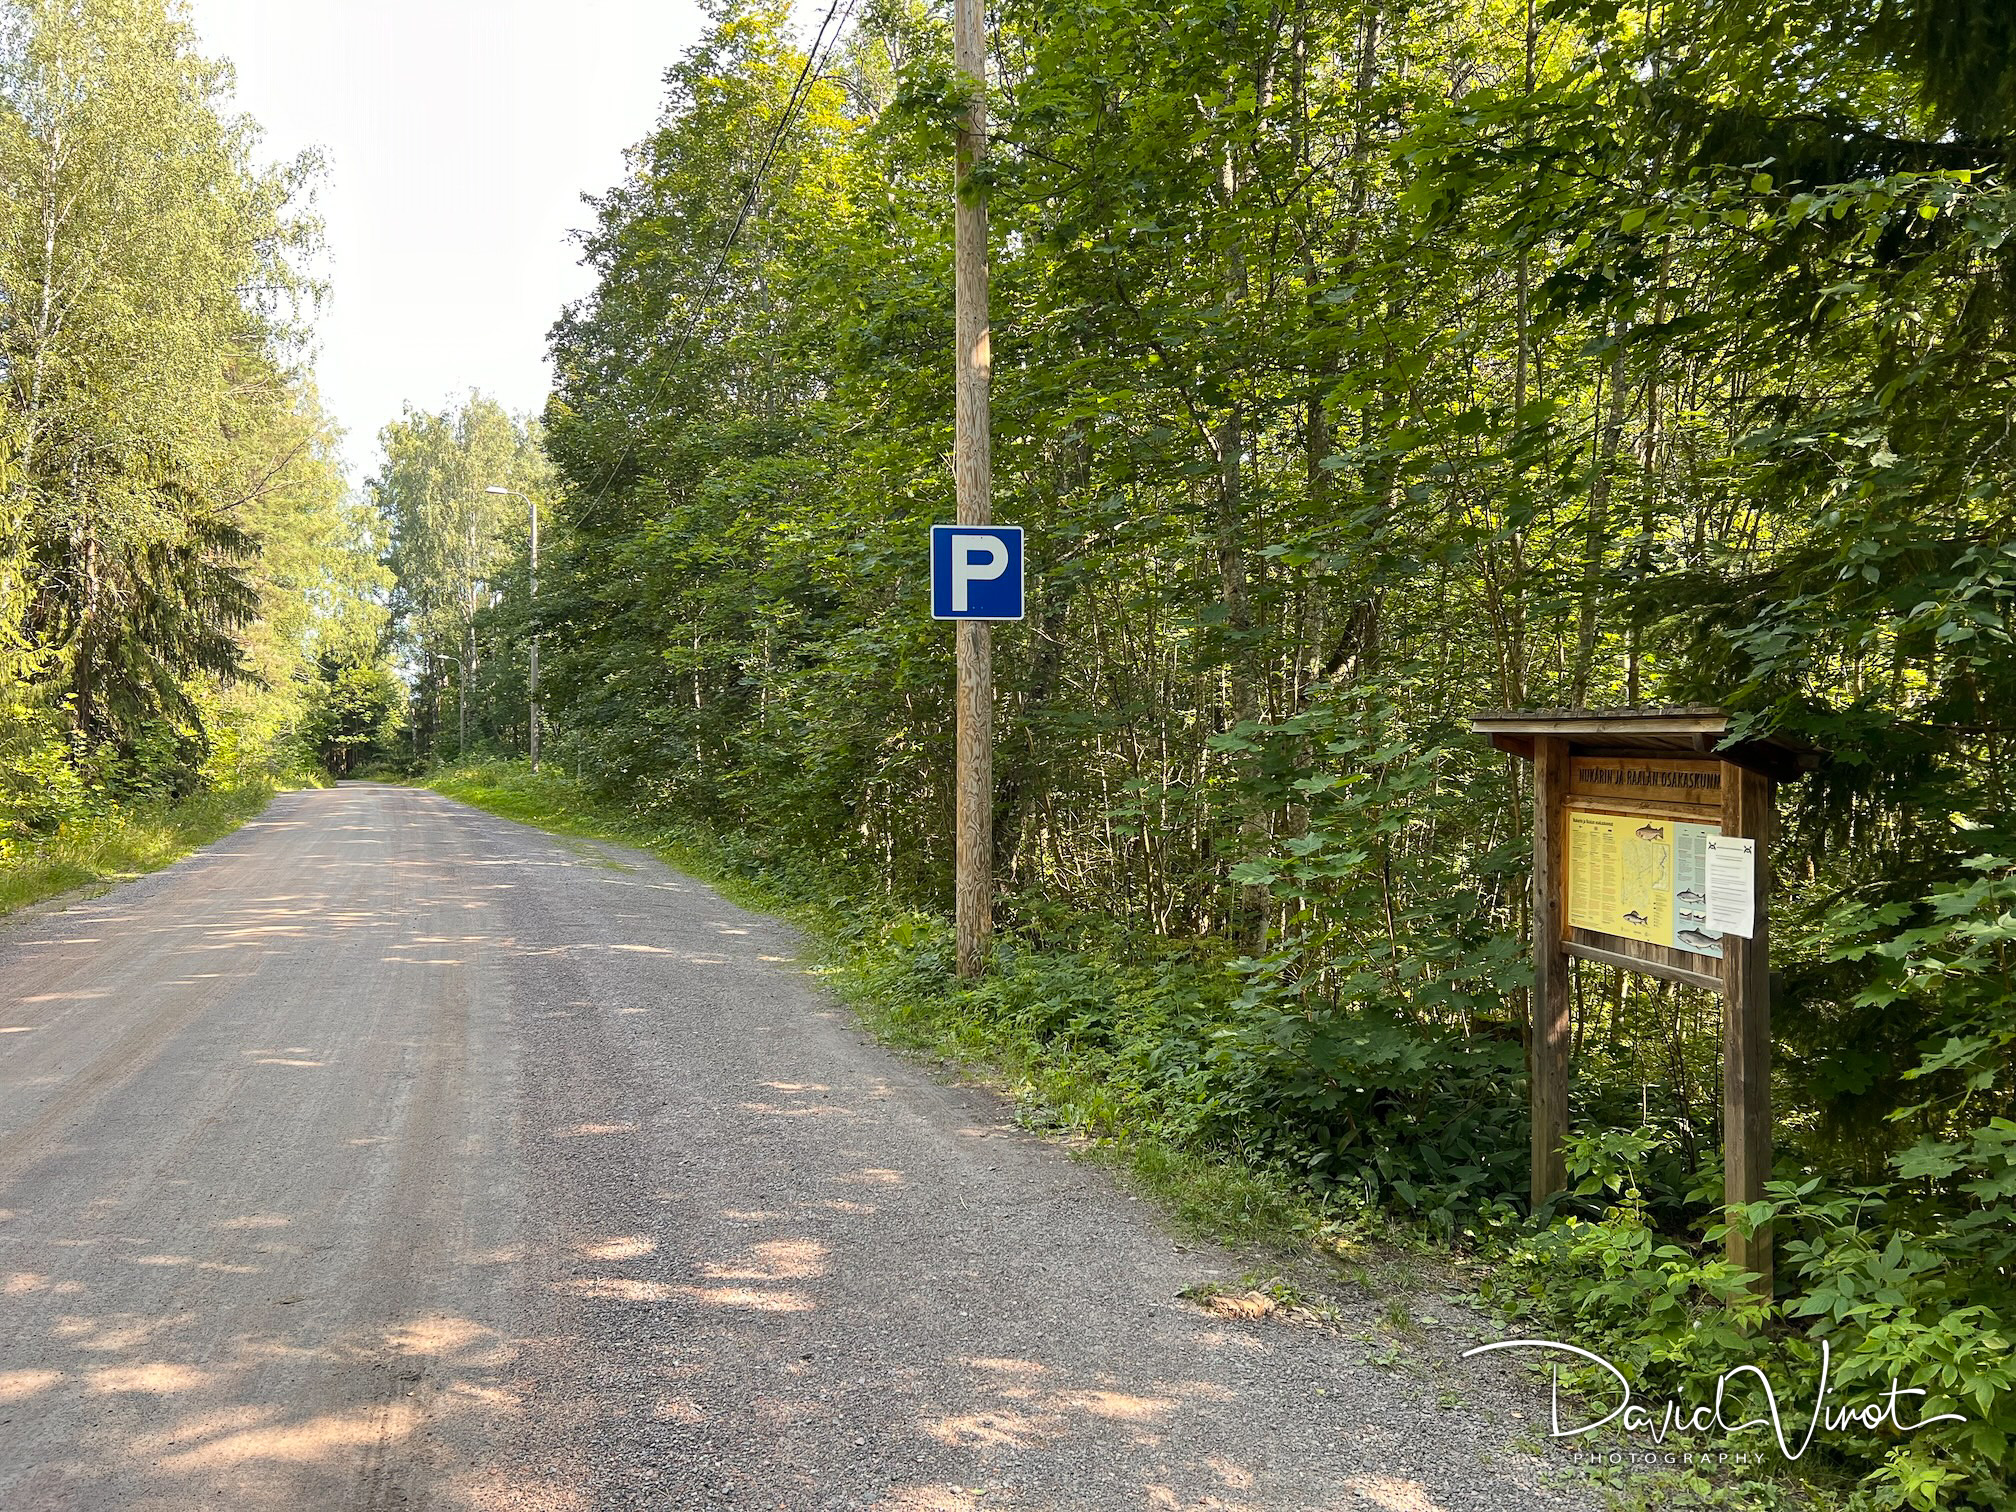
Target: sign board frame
[
  {"x": 1009, "y": 582},
  {"x": 1665, "y": 767}
]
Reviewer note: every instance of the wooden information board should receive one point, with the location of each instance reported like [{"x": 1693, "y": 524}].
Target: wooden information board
[
  {"x": 1651, "y": 845},
  {"x": 1634, "y": 862}
]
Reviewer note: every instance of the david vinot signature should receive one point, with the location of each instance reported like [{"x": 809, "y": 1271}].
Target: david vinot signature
[{"x": 1707, "y": 1415}]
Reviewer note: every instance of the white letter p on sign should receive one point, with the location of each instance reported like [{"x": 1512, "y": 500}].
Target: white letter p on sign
[{"x": 975, "y": 559}]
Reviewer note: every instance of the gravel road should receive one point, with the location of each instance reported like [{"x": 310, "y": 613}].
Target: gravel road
[{"x": 391, "y": 1155}]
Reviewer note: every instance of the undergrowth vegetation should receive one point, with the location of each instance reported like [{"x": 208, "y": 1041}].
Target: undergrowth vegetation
[{"x": 116, "y": 841}]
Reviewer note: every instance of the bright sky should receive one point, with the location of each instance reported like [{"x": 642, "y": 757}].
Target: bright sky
[{"x": 460, "y": 136}]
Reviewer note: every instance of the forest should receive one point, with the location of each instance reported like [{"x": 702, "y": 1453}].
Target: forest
[
  {"x": 1359, "y": 365},
  {"x": 179, "y": 557}
]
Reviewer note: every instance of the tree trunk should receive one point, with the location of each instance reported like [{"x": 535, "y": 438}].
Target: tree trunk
[{"x": 1596, "y": 525}]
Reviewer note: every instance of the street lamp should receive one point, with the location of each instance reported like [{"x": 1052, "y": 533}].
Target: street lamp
[{"x": 532, "y": 676}]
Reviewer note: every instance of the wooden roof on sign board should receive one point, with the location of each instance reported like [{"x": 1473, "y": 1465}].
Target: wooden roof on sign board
[{"x": 1686, "y": 730}]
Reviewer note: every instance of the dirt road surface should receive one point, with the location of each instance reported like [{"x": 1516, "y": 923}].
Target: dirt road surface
[{"x": 390, "y": 1155}]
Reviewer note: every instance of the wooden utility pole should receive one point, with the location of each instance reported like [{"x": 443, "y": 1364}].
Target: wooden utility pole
[
  {"x": 532, "y": 675},
  {"x": 531, "y": 614},
  {"x": 972, "y": 469},
  {"x": 468, "y": 638}
]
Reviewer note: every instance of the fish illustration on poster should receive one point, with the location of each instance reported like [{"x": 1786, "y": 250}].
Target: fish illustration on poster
[
  {"x": 1690, "y": 890},
  {"x": 1641, "y": 877}
]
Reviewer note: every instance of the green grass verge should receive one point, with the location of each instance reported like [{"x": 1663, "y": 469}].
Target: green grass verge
[
  {"x": 885, "y": 969},
  {"x": 125, "y": 842}
]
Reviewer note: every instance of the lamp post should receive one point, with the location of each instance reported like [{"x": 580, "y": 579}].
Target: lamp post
[{"x": 532, "y": 673}]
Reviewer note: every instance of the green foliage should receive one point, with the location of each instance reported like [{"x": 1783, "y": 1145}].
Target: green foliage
[
  {"x": 1896, "y": 1297},
  {"x": 354, "y": 709},
  {"x": 173, "y": 531},
  {"x": 1660, "y": 1310},
  {"x": 39, "y": 783},
  {"x": 108, "y": 842},
  {"x": 457, "y": 555}
]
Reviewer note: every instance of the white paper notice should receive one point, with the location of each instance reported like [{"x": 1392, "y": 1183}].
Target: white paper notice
[{"x": 1732, "y": 885}]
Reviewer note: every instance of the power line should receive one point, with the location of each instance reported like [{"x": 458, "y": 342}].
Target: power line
[{"x": 800, "y": 91}]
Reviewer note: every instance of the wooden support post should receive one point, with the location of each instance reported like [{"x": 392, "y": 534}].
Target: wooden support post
[
  {"x": 532, "y": 672},
  {"x": 1550, "y": 1030},
  {"x": 972, "y": 468},
  {"x": 1746, "y": 1028}
]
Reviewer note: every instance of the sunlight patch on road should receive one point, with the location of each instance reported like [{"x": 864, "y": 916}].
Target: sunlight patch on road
[
  {"x": 618, "y": 1289},
  {"x": 1119, "y": 1406},
  {"x": 748, "y": 1299},
  {"x": 774, "y": 1260},
  {"x": 623, "y": 1247},
  {"x": 444, "y": 1335},
  {"x": 490, "y": 1398},
  {"x": 812, "y": 1111},
  {"x": 92, "y": 1333},
  {"x": 26, "y": 1283},
  {"x": 19, "y": 1385},
  {"x": 987, "y": 1430},
  {"x": 315, "y": 1439},
  {"x": 1235, "y": 1477},
  {"x": 930, "y": 1499},
  {"x": 158, "y": 1378}
]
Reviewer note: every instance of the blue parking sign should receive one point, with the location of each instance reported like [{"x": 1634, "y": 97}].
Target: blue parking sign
[{"x": 976, "y": 572}]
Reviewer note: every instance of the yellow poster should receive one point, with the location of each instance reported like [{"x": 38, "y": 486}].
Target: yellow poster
[{"x": 1620, "y": 875}]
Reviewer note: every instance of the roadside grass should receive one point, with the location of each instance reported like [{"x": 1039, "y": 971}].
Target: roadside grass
[
  {"x": 551, "y": 800},
  {"x": 126, "y": 841}
]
